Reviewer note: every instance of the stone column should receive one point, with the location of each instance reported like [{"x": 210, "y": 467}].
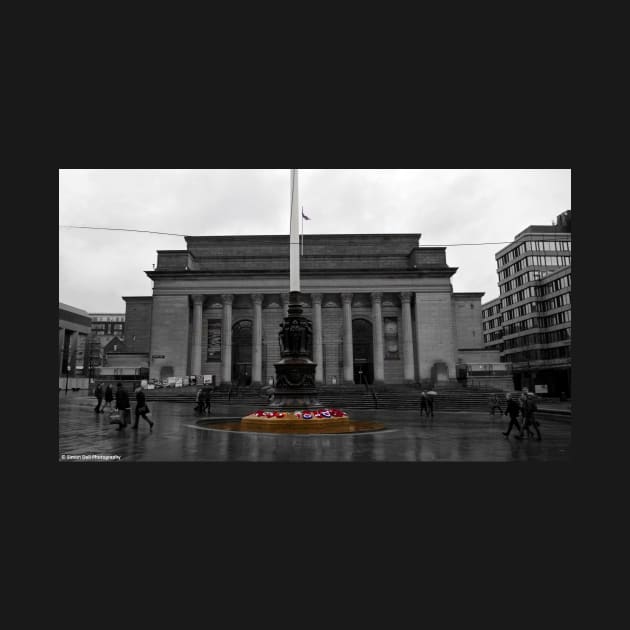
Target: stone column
[
  {"x": 348, "y": 358},
  {"x": 226, "y": 342},
  {"x": 407, "y": 338},
  {"x": 257, "y": 299},
  {"x": 195, "y": 364},
  {"x": 377, "y": 338},
  {"x": 418, "y": 338},
  {"x": 318, "y": 354}
]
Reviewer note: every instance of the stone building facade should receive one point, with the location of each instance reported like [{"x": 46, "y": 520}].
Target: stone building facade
[{"x": 383, "y": 309}]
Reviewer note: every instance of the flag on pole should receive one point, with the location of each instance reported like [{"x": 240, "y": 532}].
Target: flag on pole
[{"x": 302, "y": 235}]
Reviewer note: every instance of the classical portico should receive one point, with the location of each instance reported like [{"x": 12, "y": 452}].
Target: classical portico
[
  {"x": 217, "y": 308},
  {"x": 251, "y": 308}
]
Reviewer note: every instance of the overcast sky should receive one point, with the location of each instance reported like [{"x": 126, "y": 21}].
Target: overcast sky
[{"x": 446, "y": 206}]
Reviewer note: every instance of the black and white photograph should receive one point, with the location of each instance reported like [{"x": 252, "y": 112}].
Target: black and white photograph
[{"x": 314, "y": 315}]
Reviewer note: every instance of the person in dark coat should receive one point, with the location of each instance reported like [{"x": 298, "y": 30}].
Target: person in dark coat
[
  {"x": 141, "y": 408},
  {"x": 205, "y": 399},
  {"x": 521, "y": 402},
  {"x": 122, "y": 405},
  {"x": 109, "y": 396},
  {"x": 197, "y": 406},
  {"x": 430, "y": 399},
  {"x": 424, "y": 404},
  {"x": 529, "y": 412},
  {"x": 98, "y": 392},
  {"x": 512, "y": 409}
]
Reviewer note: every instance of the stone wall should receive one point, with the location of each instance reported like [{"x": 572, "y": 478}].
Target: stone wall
[
  {"x": 175, "y": 260},
  {"x": 138, "y": 323},
  {"x": 170, "y": 337},
  {"x": 435, "y": 333}
]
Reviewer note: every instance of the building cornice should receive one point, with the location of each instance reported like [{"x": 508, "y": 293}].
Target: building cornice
[{"x": 447, "y": 272}]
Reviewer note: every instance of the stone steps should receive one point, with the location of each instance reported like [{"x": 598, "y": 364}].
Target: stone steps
[{"x": 450, "y": 397}]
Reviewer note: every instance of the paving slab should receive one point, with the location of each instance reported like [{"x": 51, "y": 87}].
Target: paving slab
[{"x": 85, "y": 436}]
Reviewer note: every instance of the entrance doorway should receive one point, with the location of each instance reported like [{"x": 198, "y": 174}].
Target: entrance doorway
[
  {"x": 242, "y": 353},
  {"x": 363, "y": 352}
]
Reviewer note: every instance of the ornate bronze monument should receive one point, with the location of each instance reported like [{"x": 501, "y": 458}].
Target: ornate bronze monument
[{"x": 295, "y": 372}]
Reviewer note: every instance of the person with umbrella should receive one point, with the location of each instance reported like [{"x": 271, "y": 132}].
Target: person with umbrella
[{"x": 424, "y": 404}]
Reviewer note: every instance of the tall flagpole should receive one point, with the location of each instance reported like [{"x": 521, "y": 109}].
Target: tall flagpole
[{"x": 294, "y": 242}]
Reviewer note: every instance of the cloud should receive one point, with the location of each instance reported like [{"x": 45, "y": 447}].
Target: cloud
[{"x": 446, "y": 206}]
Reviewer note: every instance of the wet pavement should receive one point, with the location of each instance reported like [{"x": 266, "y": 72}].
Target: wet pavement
[{"x": 176, "y": 437}]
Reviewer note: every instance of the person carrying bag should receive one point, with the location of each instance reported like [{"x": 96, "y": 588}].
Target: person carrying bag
[
  {"x": 122, "y": 408},
  {"x": 142, "y": 409}
]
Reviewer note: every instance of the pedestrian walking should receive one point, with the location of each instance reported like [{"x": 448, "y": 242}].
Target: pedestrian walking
[
  {"x": 109, "y": 397},
  {"x": 424, "y": 404},
  {"x": 122, "y": 406},
  {"x": 521, "y": 403},
  {"x": 142, "y": 409},
  {"x": 430, "y": 400},
  {"x": 205, "y": 399},
  {"x": 98, "y": 392},
  {"x": 197, "y": 406},
  {"x": 530, "y": 409},
  {"x": 494, "y": 404},
  {"x": 512, "y": 409}
]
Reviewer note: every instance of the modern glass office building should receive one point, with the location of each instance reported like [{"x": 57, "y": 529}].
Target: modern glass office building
[{"x": 530, "y": 321}]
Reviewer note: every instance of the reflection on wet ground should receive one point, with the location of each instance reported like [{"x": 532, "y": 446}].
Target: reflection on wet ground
[
  {"x": 177, "y": 436},
  {"x": 235, "y": 425}
]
